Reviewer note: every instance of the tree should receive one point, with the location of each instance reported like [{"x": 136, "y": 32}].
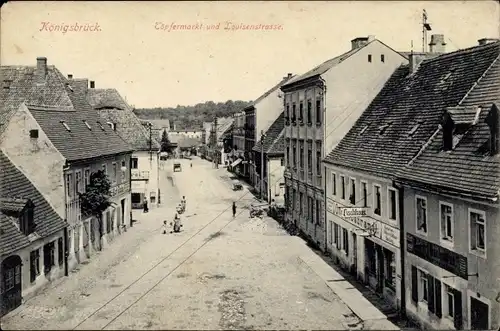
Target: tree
[
  {"x": 165, "y": 142},
  {"x": 95, "y": 200}
]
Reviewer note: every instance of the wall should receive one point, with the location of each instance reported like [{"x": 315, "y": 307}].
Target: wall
[
  {"x": 150, "y": 165},
  {"x": 39, "y": 160},
  {"x": 488, "y": 266},
  {"x": 352, "y": 85},
  {"x": 267, "y": 111},
  {"x": 275, "y": 177}
]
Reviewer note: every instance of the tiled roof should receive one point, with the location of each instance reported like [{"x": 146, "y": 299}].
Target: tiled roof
[
  {"x": 278, "y": 148},
  {"x": 186, "y": 142},
  {"x": 113, "y": 108},
  {"x": 284, "y": 81},
  {"x": 158, "y": 123},
  {"x": 468, "y": 168},
  {"x": 80, "y": 142},
  {"x": 223, "y": 124},
  {"x": 272, "y": 135},
  {"x": 408, "y": 110},
  {"x": 12, "y": 204},
  {"x": 13, "y": 184},
  {"x": 464, "y": 115}
]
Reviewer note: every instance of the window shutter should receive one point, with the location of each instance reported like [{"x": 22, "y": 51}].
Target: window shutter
[
  {"x": 458, "y": 320},
  {"x": 437, "y": 290},
  {"x": 414, "y": 284},
  {"x": 430, "y": 294}
]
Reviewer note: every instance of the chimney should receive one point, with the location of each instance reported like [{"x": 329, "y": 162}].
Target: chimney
[
  {"x": 359, "y": 42},
  {"x": 70, "y": 76},
  {"x": 92, "y": 84},
  {"x": 41, "y": 67},
  {"x": 371, "y": 38},
  {"x": 416, "y": 58},
  {"x": 437, "y": 44},
  {"x": 485, "y": 41}
]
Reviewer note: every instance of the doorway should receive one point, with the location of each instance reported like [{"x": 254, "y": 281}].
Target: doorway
[
  {"x": 479, "y": 315},
  {"x": 354, "y": 268},
  {"x": 11, "y": 287},
  {"x": 122, "y": 211}
]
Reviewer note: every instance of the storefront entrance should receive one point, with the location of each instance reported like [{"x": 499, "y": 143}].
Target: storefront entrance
[
  {"x": 478, "y": 315},
  {"x": 10, "y": 284}
]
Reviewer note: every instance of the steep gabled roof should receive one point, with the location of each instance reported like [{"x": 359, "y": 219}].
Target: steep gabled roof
[
  {"x": 79, "y": 142},
  {"x": 271, "y": 137},
  {"x": 284, "y": 81},
  {"x": 106, "y": 98},
  {"x": 467, "y": 169},
  {"x": 15, "y": 186},
  {"x": 408, "y": 110}
]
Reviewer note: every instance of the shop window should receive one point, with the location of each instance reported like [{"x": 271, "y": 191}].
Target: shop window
[
  {"x": 477, "y": 230},
  {"x": 134, "y": 163},
  {"x": 450, "y": 302},
  {"x": 390, "y": 269},
  {"x": 421, "y": 209},
  {"x": 446, "y": 211},
  {"x": 108, "y": 221},
  {"x": 426, "y": 290},
  {"x": 371, "y": 259}
]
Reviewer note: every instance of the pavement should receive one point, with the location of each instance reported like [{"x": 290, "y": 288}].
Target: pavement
[{"x": 220, "y": 272}]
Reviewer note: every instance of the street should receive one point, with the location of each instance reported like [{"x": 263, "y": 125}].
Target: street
[{"x": 220, "y": 272}]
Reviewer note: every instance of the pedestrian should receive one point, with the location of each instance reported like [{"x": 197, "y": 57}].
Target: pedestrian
[
  {"x": 164, "y": 227},
  {"x": 145, "y": 205},
  {"x": 234, "y": 209}
]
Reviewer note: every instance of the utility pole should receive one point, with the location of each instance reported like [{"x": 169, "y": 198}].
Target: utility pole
[
  {"x": 150, "y": 143},
  {"x": 262, "y": 135}
]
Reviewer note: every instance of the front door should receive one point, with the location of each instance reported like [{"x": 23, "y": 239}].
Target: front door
[
  {"x": 479, "y": 315},
  {"x": 10, "y": 284}
]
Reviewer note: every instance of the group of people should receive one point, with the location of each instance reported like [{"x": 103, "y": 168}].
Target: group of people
[{"x": 177, "y": 222}]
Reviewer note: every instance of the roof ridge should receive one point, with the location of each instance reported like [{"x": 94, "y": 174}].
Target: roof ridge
[
  {"x": 479, "y": 80},
  {"x": 463, "y": 51}
]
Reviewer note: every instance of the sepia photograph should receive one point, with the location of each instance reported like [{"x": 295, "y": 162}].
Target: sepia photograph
[{"x": 250, "y": 165}]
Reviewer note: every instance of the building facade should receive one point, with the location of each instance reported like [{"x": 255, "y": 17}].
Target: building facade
[
  {"x": 33, "y": 239},
  {"x": 237, "y": 156},
  {"x": 320, "y": 108},
  {"x": 369, "y": 213}
]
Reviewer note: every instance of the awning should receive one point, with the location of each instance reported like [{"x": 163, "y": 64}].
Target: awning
[{"x": 235, "y": 163}]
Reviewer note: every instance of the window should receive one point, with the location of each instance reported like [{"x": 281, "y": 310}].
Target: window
[
  {"x": 294, "y": 113},
  {"x": 115, "y": 174},
  {"x": 301, "y": 112},
  {"x": 426, "y": 290},
  {"x": 288, "y": 156},
  {"x": 337, "y": 235},
  {"x": 60, "y": 251},
  {"x": 134, "y": 163},
  {"x": 393, "y": 201},
  {"x": 318, "y": 111},
  {"x": 105, "y": 169},
  {"x": 318, "y": 210},
  {"x": 310, "y": 211},
  {"x": 34, "y": 264},
  {"x": 345, "y": 241},
  {"x": 450, "y": 302},
  {"x": 390, "y": 269},
  {"x": 477, "y": 230},
  {"x": 309, "y": 112},
  {"x": 352, "y": 196},
  {"x": 446, "y": 211},
  {"x": 382, "y": 58},
  {"x": 301, "y": 144},
  {"x": 34, "y": 134},
  {"x": 109, "y": 221},
  {"x": 424, "y": 287},
  {"x": 334, "y": 184},
  {"x": 294, "y": 149},
  {"x": 69, "y": 185},
  {"x": 318, "y": 158},
  {"x": 369, "y": 58},
  {"x": 331, "y": 233},
  {"x": 78, "y": 182},
  {"x": 377, "y": 204},
  {"x": 342, "y": 187},
  {"x": 309, "y": 159},
  {"x": 371, "y": 257},
  {"x": 301, "y": 198},
  {"x": 287, "y": 114},
  {"x": 421, "y": 208},
  {"x": 49, "y": 256},
  {"x": 123, "y": 169},
  {"x": 364, "y": 194},
  {"x": 66, "y": 126},
  {"x": 86, "y": 175}
]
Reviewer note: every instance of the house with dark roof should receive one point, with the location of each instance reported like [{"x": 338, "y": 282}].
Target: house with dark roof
[
  {"x": 32, "y": 238},
  {"x": 389, "y": 235},
  {"x": 58, "y": 141},
  {"x": 215, "y": 149},
  {"x": 145, "y": 164},
  {"x": 321, "y": 106},
  {"x": 271, "y": 150},
  {"x": 259, "y": 115},
  {"x": 450, "y": 192}
]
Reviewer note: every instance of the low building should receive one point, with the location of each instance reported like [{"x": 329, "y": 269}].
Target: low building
[
  {"x": 32, "y": 238},
  {"x": 451, "y": 200},
  {"x": 366, "y": 208},
  {"x": 271, "y": 150},
  {"x": 194, "y": 134},
  {"x": 145, "y": 164},
  {"x": 158, "y": 126}
]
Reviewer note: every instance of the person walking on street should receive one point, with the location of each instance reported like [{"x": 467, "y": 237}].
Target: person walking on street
[
  {"x": 164, "y": 227},
  {"x": 145, "y": 205},
  {"x": 234, "y": 209}
]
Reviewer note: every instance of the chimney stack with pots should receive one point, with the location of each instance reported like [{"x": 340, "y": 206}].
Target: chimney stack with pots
[
  {"x": 41, "y": 68},
  {"x": 437, "y": 44},
  {"x": 485, "y": 41},
  {"x": 92, "y": 84},
  {"x": 70, "y": 76},
  {"x": 359, "y": 42},
  {"x": 417, "y": 58}
]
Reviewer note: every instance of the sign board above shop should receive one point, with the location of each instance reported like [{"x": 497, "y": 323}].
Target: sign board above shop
[{"x": 352, "y": 212}]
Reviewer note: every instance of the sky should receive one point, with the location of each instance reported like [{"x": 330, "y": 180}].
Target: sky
[{"x": 144, "y": 50}]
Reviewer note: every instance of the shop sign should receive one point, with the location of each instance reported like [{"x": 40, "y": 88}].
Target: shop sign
[
  {"x": 119, "y": 189},
  {"x": 138, "y": 186},
  {"x": 390, "y": 235}
]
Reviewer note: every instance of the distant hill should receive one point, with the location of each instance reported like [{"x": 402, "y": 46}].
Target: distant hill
[{"x": 192, "y": 117}]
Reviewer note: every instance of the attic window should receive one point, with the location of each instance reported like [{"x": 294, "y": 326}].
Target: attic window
[
  {"x": 87, "y": 124},
  {"x": 34, "y": 133},
  {"x": 66, "y": 126},
  {"x": 384, "y": 128},
  {"x": 382, "y": 58},
  {"x": 100, "y": 125},
  {"x": 369, "y": 58},
  {"x": 363, "y": 130}
]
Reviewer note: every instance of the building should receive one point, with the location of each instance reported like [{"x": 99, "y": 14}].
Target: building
[
  {"x": 32, "y": 238},
  {"x": 158, "y": 126},
  {"x": 367, "y": 210},
  {"x": 145, "y": 165},
  {"x": 259, "y": 115},
  {"x": 320, "y": 108},
  {"x": 205, "y": 133},
  {"x": 194, "y": 134},
  {"x": 52, "y": 134},
  {"x": 238, "y": 136},
  {"x": 215, "y": 150},
  {"x": 271, "y": 150},
  {"x": 451, "y": 205}
]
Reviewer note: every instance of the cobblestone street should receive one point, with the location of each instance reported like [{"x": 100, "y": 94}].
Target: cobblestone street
[{"x": 218, "y": 273}]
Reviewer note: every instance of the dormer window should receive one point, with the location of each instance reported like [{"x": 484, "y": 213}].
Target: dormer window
[
  {"x": 27, "y": 219},
  {"x": 66, "y": 126},
  {"x": 456, "y": 122}
]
